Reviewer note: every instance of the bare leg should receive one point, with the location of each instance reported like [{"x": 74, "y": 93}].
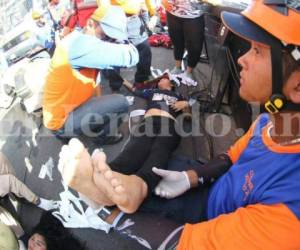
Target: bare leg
[
  {"x": 126, "y": 191},
  {"x": 76, "y": 168}
]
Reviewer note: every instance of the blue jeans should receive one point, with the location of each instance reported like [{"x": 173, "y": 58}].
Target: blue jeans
[{"x": 98, "y": 117}]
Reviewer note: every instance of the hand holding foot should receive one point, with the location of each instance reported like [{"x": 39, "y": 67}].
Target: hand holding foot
[{"x": 76, "y": 168}]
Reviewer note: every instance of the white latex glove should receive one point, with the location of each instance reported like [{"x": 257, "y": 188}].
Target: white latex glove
[
  {"x": 173, "y": 184},
  {"x": 48, "y": 204},
  {"x": 152, "y": 22}
]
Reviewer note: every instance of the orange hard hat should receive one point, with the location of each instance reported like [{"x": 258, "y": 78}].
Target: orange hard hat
[
  {"x": 281, "y": 20},
  {"x": 267, "y": 19},
  {"x": 275, "y": 23}
]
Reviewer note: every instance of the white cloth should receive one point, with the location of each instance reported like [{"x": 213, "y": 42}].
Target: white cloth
[{"x": 72, "y": 214}]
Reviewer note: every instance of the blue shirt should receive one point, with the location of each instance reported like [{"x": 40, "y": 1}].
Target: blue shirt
[
  {"x": 265, "y": 173},
  {"x": 87, "y": 51}
]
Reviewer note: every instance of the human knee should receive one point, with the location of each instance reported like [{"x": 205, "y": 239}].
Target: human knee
[{"x": 120, "y": 103}]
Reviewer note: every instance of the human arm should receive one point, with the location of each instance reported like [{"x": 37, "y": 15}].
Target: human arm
[
  {"x": 250, "y": 228},
  {"x": 175, "y": 183},
  {"x": 91, "y": 52},
  {"x": 183, "y": 104}
]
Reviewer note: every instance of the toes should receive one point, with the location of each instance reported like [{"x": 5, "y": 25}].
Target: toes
[
  {"x": 119, "y": 189},
  {"x": 115, "y": 182},
  {"x": 76, "y": 147},
  {"x": 108, "y": 175},
  {"x": 99, "y": 160},
  {"x": 95, "y": 155}
]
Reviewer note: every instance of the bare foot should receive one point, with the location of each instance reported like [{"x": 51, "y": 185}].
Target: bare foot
[
  {"x": 76, "y": 168},
  {"x": 126, "y": 191}
]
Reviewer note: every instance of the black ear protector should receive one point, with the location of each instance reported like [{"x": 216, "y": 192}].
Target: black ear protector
[{"x": 275, "y": 103}]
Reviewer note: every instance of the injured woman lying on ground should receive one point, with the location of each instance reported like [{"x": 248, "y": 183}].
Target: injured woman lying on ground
[{"x": 129, "y": 179}]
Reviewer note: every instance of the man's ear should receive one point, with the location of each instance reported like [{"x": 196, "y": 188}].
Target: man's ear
[{"x": 293, "y": 86}]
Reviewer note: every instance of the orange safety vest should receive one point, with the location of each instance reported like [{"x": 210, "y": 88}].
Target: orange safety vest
[{"x": 65, "y": 89}]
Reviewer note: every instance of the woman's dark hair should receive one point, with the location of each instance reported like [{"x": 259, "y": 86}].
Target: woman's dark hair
[{"x": 56, "y": 236}]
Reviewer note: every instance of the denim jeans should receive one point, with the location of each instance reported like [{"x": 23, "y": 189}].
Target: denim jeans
[{"x": 98, "y": 117}]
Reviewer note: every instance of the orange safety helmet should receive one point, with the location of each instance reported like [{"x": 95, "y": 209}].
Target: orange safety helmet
[{"x": 275, "y": 23}]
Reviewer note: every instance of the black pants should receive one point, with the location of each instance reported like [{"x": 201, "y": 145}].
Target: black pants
[
  {"x": 142, "y": 68},
  {"x": 187, "y": 208},
  {"x": 186, "y": 33},
  {"x": 151, "y": 145}
]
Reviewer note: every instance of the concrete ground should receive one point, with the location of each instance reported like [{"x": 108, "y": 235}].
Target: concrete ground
[{"x": 28, "y": 146}]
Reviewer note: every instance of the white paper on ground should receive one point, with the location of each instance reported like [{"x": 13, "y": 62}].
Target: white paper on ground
[
  {"x": 124, "y": 229},
  {"x": 72, "y": 214},
  {"x": 46, "y": 170}
]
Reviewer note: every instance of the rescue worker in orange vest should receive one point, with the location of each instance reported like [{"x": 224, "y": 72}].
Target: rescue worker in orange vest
[{"x": 69, "y": 107}]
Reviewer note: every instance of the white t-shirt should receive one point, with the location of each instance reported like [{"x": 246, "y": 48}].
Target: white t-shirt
[{"x": 185, "y": 8}]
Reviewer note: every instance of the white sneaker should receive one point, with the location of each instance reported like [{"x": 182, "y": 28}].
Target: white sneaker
[{"x": 176, "y": 71}]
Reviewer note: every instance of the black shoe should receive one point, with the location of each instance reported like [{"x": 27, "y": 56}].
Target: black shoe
[{"x": 110, "y": 140}]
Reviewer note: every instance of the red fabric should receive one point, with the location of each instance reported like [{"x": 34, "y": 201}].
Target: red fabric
[
  {"x": 162, "y": 15},
  {"x": 80, "y": 17},
  {"x": 81, "y": 13},
  {"x": 158, "y": 40}
]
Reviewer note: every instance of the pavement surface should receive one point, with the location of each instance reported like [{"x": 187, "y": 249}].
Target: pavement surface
[{"x": 28, "y": 146}]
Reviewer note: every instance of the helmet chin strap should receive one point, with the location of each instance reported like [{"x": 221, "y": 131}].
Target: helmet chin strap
[{"x": 278, "y": 102}]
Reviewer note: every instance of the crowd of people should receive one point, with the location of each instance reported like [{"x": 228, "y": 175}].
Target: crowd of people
[{"x": 244, "y": 198}]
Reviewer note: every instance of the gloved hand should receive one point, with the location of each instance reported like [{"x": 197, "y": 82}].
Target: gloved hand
[
  {"x": 173, "y": 184},
  {"x": 152, "y": 23}
]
